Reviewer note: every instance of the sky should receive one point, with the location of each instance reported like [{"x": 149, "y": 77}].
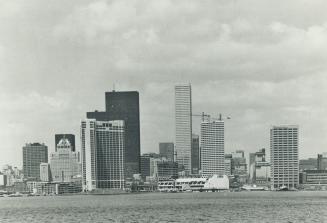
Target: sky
[{"x": 260, "y": 62}]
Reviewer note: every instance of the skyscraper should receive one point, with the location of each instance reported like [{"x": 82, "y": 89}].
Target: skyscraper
[
  {"x": 103, "y": 148},
  {"x": 64, "y": 163},
  {"x": 124, "y": 106},
  {"x": 183, "y": 122},
  {"x": 195, "y": 154},
  {"x": 284, "y": 155},
  {"x": 166, "y": 149},
  {"x": 33, "y": 155},
  {"x": 70, "y": 137},
  {"x": 212, "y": 148}
]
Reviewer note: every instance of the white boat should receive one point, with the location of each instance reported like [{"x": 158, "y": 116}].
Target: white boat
[
  {"x": 252, "y": 188},
  {"x": 17, "y": 194}
]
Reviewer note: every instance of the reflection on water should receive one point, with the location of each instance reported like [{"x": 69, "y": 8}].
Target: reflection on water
[{"x": 160, "y": 207}]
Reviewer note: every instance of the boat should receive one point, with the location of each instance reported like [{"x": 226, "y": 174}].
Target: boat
[
  {"x": 17, "y": 194},
  {"x": 282, "y": 188},
  {"x": 252, "y": 188}
]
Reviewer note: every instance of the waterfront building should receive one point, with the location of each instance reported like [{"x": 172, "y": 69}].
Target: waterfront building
[
  {"x": 64, "y": 163},
  {"x": 167, "y": 170},
  {"x": 156, "y": 168},
  {"x": 45, "y": 173},
  {"x": 69, "y": 137},
  {"x": 124, "y": 105},
  {"x": 166, "y": 149},
  {"x": 44, "y": 188},
  {"x": 33, "y": 155},
  {"x": 183, "y": 126},
  {"x": 284, "y": 156},
  {"x": 314, "y": 179},
  {"x": 103, "y": 154},
  {"x": 322, "y": 162},
  {"x": 308, "y": 164},
  {"x": 212, "y": 148},
  {"x": 195, "y": 154},
  {"x": 213, "y": 183}
]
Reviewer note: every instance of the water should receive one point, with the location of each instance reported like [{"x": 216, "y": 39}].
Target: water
[{"x": 170, "y": 207}]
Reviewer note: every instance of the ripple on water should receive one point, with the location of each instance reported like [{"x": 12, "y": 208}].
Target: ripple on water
[{"x": 161, "y": 207}]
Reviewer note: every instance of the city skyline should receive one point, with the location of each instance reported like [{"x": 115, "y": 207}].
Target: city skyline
[{"x": 259, "y": 65}]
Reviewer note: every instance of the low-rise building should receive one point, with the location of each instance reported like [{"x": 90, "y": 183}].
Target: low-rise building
[{"x": 195, "y": 184}]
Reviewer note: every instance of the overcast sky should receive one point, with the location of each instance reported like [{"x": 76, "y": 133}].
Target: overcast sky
[{"x": 260, "y": 62}]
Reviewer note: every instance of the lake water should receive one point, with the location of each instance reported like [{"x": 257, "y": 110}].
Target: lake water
[{"x": 170, "y": 207}]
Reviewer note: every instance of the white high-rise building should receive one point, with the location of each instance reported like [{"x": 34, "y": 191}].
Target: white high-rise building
[
  {"x": 284, "y": 154},
  {"x": 183, "y": 121},
  {"x": 212, "y": 148},
  {"x": 103, "y": 148}
]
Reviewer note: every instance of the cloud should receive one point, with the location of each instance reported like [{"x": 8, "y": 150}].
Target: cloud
[{"x": 261, "y": 62}]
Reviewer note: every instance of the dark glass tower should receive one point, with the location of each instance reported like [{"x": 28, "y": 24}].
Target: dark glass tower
[
  {"x": 33, "y": 155},
  {"x": 195, "y": 154},
  {"x": 124, "y": 105}
]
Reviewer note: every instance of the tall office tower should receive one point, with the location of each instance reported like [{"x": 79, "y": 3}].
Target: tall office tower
[
  {"x": 212, "y": 148},
  {"x": 183, "y": 126},
  {"x": 284, "y": 155},
  {"x": 166, "y": 149},
  {"x": 64, "y": 163},
  {"x": 124, "y": 106},
  {"x": 70, "y": 137},
  {"x": 103, "y": 158},
  {"x": 33, "y": 155},
  {"x": 195, "y": 154}
]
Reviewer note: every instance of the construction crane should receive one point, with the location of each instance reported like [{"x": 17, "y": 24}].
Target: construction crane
[{"x": 203, "y": 115}]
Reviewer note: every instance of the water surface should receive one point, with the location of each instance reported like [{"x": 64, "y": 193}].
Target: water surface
[{"x": 169, "y": 207}]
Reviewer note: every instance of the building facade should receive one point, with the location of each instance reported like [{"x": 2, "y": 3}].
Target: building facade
[
  {"x": 124, "y": 105},
  {"x": 284, "y": 153},
  {"x": 322, "y": 162},
  {"x": 166, "y": 149},
  {"x": 45, "y": 173},
  {"x": 308, "y": 164},
  {"x": 167, "y": 170},
  {"x": 212, "y": 148},
  {"x": 259, "y": 170},
  {"x": 195, "y": 154},
  {"x": 148, "y": 164},
  {"x": 33, "y": 155},
  {"x": 64, "y": 163},
  {"x": 228, "y": 164},
  {"x": 183, "y": 126},
  {"x": 103, "y": 154}
]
